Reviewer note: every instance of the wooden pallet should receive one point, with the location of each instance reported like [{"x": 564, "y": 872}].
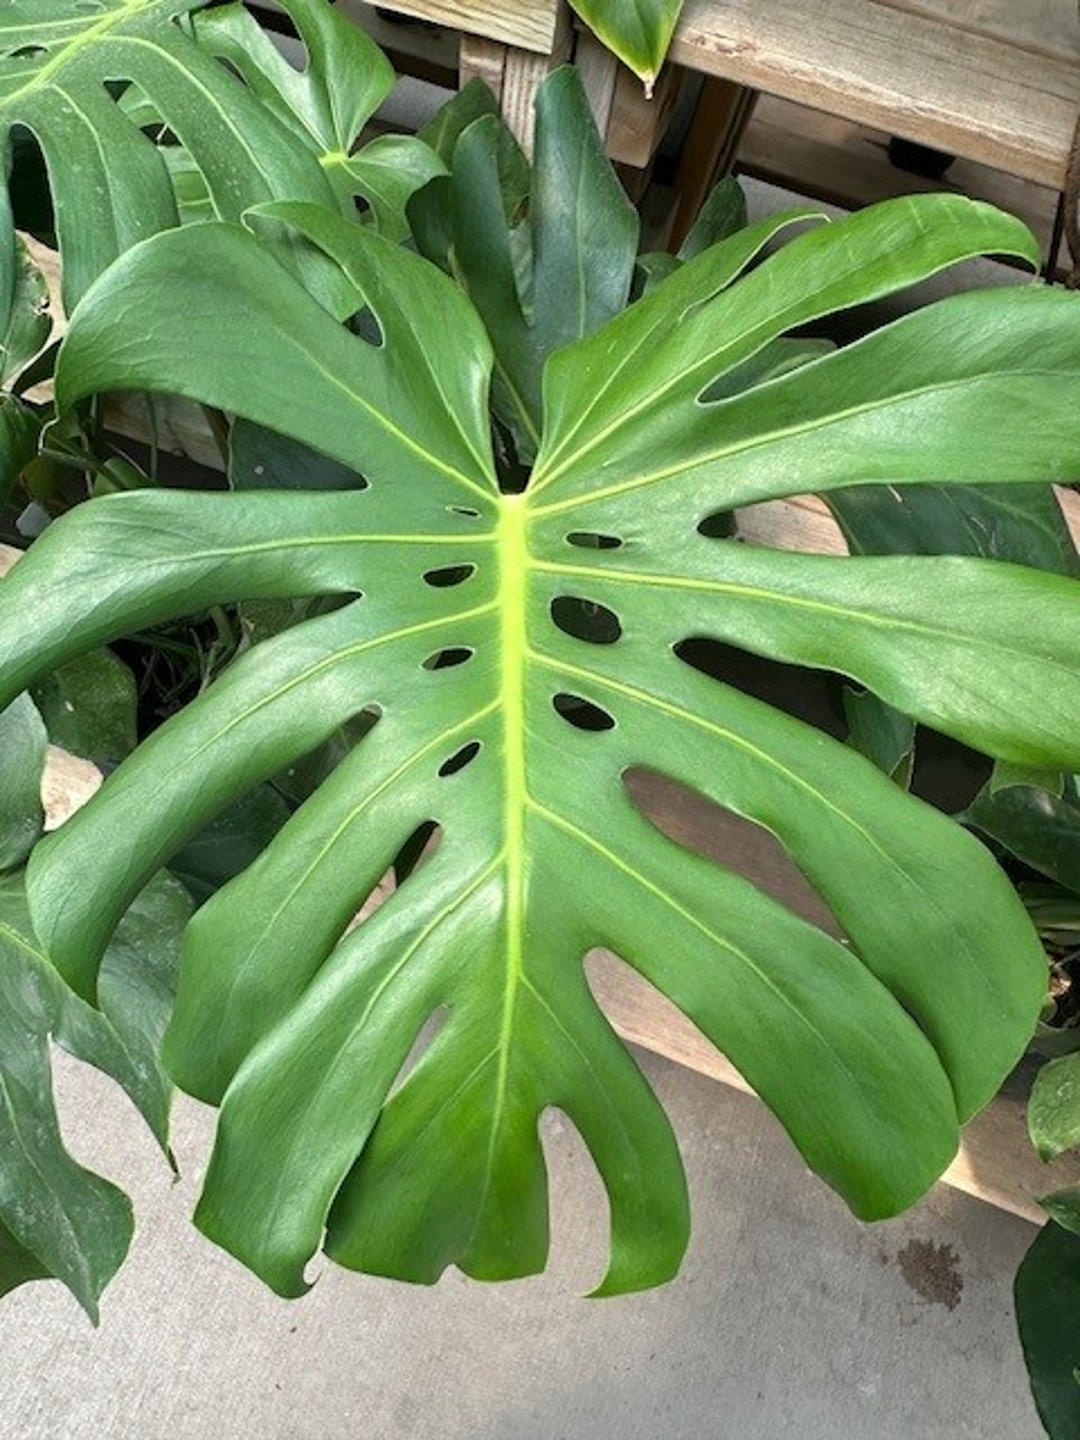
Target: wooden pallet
[{"x": 992, "y": 81}]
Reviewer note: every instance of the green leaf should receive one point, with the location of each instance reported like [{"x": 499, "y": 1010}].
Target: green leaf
[
  {"x": 880, "y": 733},
  {"x": 261, "y": 460},
  {"x": 138, "y": 983},
  {"x": 56, "y": 1218},
  {"x": 1063, "y": 1206},
  {"x": 89, "y": 706},
  {"x": 1054, "y": 1107},
  {"x": 722, "y": 215},
  {"x": 638, "y": 31},
  {"x": 1019, "y": 523},
  {"x": 442, "y": 132},
  {"x": 20, "y": 429},
  {"x": 23, "y": 739},
  {"x": 519, "y": 654},
  {"x": 230, "y": 843},
  {"x": 25, "y": 324},
  {"x": 579, "y": 241},
  {"x": 327, "y": 101},
  {"x": 60, "y": 61},
  {"x": 1037, "y": 827},
  {"x": 387, "y": 173},
  {"x": 1048, "y": 1313}
]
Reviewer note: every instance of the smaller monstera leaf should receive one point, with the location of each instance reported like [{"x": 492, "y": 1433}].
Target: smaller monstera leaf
[
  {"x": 328, "y": 102},
  {"x": 637, "y": 31},
  {"x": 546, "y": 258},
  {"x": 57, "y": 1219},
  {"x": 66, "y": 68},
  {"x": 517, "y": 656}
]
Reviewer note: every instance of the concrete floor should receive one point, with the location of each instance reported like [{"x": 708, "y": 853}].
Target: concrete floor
[{"x": 790, "y": 1319}]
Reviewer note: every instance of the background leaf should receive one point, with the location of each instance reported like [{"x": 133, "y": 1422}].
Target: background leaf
[
  {"x": 88, "y": 706},
  {"x": 23, "y": 739},
  {"x": 1048, "y": 1312},
  {"x": 1054, "y": 1107}
]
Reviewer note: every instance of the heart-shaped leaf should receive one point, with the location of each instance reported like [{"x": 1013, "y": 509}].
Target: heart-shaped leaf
[{"x": 520, "y": 655}]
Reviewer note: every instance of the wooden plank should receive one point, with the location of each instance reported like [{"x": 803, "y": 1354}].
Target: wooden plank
[
  {"x": 515, "y": 75},
  {"x": 1046, "y": 27},
  {"x": 638, "y": 121},
  {"x": 599, "y": 71},
  {"x": 833, "y": 159},
  {"x": 485, "y": 60},
  {"x": 528, "y": 24},
  {"x": 900, "y": 70},
  {"x": 723, "y": 112}
]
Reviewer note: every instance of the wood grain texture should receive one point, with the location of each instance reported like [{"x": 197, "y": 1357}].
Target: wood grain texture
[
  {"x": 485, "y": 60},
  {"x": 970, "y": 88},
  {"x": 846, "y": 164},
  {"x": 530, "y": 24},
  {"x": 638, "y": 122}
]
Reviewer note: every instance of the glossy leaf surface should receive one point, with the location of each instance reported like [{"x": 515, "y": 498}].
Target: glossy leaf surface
[
  {"x": 64, "y": 65},
  {"x": 519, "y": 654},
  {"x": 1054, "y": 1107},
  {"x": 638, "y": 31}
]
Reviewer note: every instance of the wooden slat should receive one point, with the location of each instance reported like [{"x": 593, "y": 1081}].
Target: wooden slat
[
  {"x": 723, "y": 111},
  {"x": 530, "y": 24},
  {"x": 833, "y": 159},
  {"x": 514, "y": 74},
  {"x": 638, "y": 122},
  {"x": 1047, "y": 27},
  {"x": 902, "y": 70},
  {"x": 485, "y": 60}
]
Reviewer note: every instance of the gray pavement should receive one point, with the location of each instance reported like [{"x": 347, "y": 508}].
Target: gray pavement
[{"x": 790, "y": 1319}]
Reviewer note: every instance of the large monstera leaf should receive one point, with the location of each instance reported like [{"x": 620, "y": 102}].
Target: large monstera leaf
[
  {"x": 521, "y": 653},
  {"x": 66, "y": 72}
]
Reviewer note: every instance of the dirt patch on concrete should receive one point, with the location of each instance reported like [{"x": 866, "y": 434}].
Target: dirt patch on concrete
[{"x": 933, "y": 1272}]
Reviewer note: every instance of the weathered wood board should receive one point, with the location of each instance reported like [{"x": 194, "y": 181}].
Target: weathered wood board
[{"x": 990, "y": 80}]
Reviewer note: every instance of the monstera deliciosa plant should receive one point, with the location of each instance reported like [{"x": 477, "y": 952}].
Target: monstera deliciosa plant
[{"x": 505, "y": 610}]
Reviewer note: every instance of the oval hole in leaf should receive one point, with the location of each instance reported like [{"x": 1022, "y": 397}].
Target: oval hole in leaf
[
  {"x": 464, "y": 510},
  {"x": 365, "y": 325},
  {"x": 460, "y": 759},
  {"x": 447, "y": 659},
  {"x": 447, "y": 575},
  {"x": 727, "y": 838},
  {"x": 581, "y": 713},
  {"x": 586, "y": 620},
  {"x": 719, "y": 526},
  {"x": 593, "y": 540}
]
